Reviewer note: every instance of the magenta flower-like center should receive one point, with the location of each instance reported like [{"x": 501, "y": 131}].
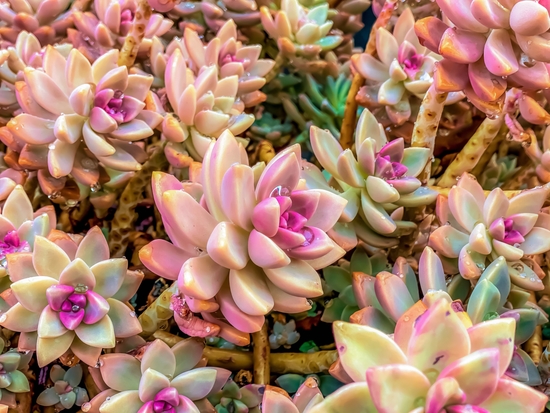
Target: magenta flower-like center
[
  {"x": 230, "y": 58},
  {"x": 12, "y": 243},
  {"x": 126, "y": 19},
  {"x": 114, "y": 106},
  {"x": 386, "y": 169},
  {"x": 293, "y": 221},
  {"x": 165, "y": 401},
  {"x": 503, "y": 230},
  {"x": 412, "y": 64},
  {"x": 76, "y": 305}
]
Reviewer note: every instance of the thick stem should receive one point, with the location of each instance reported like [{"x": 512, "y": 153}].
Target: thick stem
[
  {"x": 261, "y": 355},
  {"x": 445, "y": 192},
  {"x": 129, "y": 50},
  {"x": 350, "y": 112},
  {"x": 280, "y": 363},
  {"x": 279, "y": 62},
  {"x": 125, "y": 215},
  {"x": 488, "y": 154},
  {"x": 425, "y": 127},
  {"x": 533, "y": 346},
  {"x": 159, "y": 311},
  {"x": 472, "y": 152}
]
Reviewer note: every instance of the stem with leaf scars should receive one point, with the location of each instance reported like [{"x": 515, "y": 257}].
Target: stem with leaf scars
[
  {"x": 533, "y": 346},
  {"x": 129, "y": 50},
  {"x": 350, "y": 111},
  {"x": 261, "y": 355},
  {"x": 159, "y": 311},
  {"x": 279, "y": 62},
  {"x": 425, "y": 127},
  {"x": 471, "y": 153},
  {"x": 280, "y": 363},
  {"x": 488, "y": 154}
]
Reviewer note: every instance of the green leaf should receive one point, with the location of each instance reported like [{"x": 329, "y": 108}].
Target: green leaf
[
  {"x": 360, "y": 261},
  {"x": 348, "y": 297},
  {"x": 337, "y": 278},
  {"x": 290, "y": 382}
]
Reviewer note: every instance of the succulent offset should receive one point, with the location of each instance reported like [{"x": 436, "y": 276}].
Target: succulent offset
[{"x": 65, "y": 392}]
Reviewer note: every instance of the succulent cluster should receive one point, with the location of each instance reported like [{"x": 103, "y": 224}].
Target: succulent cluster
[{"x": 239, "y": 206}]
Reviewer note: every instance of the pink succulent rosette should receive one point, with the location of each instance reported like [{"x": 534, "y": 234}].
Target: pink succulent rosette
[
  {"x": 488, "y": 46},
  {"x": 440, "y": 366},
  {"x": 161, "y": 380},
  {"x": 306, "y": 397},
  {"x": 378, "y": 179},
  {"x": 231, "y": 57},
  {"x": 112, "y": 22},
  {"x": 478, "y": 228},
  {"x": 402, "y": 69},
  {"x": 300, "y": 31},
  {"x": 249, "y": 240},
  {"x": 77, "y": 115},
  {"x": 26, "y": 52},
  {"x": 46, "y": 19},
  {"x": 71, "y": 296}
]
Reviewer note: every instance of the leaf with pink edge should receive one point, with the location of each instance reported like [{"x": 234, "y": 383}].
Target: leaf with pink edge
[
  {"x": 250, "y": 291},
  {"x": 356, "y": 359},
  {"x": 529, "y": 201},
  {"x": 195, "y": 384},
  {"x": 201, "y": 277},
  {"x": 49, "y": 349},
  {"x": 93, "y": 248},
  {"x": 383, "y": 380},
  {"x": 464, "y": 208},
  {"x": 77, "y": 272},
  {"x": 283, "y": 171},
  {"x": 100, "y": 334},
  {"x": 17, "y": 208},
  {"x": 49, "y": 259},
  {"x": 127, "y": 401},
  {"x": 159, "y": 357},
  {"x": 109, "y": 275},
  {"x": 31, "y": 292},
  {"x": 49, "y": 325},
  {"x": 439, "y": 338},
  {"x": 445, "y": 391},
  {"x": 125, "y": 322},
  {"x": 188, "y": 353},
  {"x": 18, "y": 318},
  {"x": 130, "y": 285},
  {"x": 163, "y": 258},
  {"x": 354, "y": 397},
  {"x": 512, "y": 396},
  {"x": 87, "y": 354},
  {"x": 121, "y": 372},
  {"x": 151, "y": 383},
  {"x": 499, "y": 334}
]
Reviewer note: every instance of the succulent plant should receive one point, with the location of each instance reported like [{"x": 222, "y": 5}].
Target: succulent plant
[
  {"x": 291, "y": 383},
  {"x": 306, "y": 397},
  {"x": 65, "y": 392},
  {"x": 442, "y": 364},
  {"x": 276, "y": 130},
  {"x": 379, "y": 180},
  {"x": 300, "y": 31},
  {"x": 161, "y": 379},
  {"x": 13, "y": 366},
  {"x": 283, "y": 335},
  {"x": 498, "y": 171},
  {"x": 232, "y": 398},
  {"x": 91, "y": 115},
  {"x": 257, "y": 245},
  {"x": 540, "y": 155},
  {"x": 46, "y": 19},
  {"x": 345, "y": 280},
  {"x": 478, "y": 228},
  {"x": 403, "y": 69},
  {"x": 9, "y": 179},
  {"x": 489, "y": 46},
  {"x": 112, "y": 22},
  {"x": 70, "y": 296}
]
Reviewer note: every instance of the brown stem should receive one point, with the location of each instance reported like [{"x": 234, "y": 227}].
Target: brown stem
[
  {"x": 488, "y": 154},
  {"x": 425, "y": 127},
  {"x": 261, "y": 355},
  {"x": 24, "y": 403},
  {"x": 350, "y": 111},
  {"x": 533, "y": 346},
  {"x": 280, "y": 363},
  {"x": 157, "y": 312},
  {"x": 471, "y": 153},
  {"x": 125, "y": 216},
  {"x": 129, "y": 50}
]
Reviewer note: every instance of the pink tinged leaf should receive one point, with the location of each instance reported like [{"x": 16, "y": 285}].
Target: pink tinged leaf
[
  {"x": 536, "y": 241},
  {"x": 125, "y": 322},
  {"x": 46, "y": 93},
  {"x": 383, "y": 380},
  {"x": 151, "y": 383},
  {"x": 297, "y": 278},
  {"x": 32, "y": 129},
  {"x": 16, "y": 210},
  {"x": 430, "y": 271},
  {"x": 163, "y": 258},
  {"x": 49, "y": 259},
  {"x": 495, "y": 206},
  {"x": 227, "y": 246},
  {"x": 275, "y": 402},
  {"x": 316, "y": 245},
  {"x": 376, "y": 216},
  {"x": 264, "y": 252},
  {"x": 533, "y": 112},
  {"x": 429, "y": 347},
  {"x": 326, "y": 149},
  {"x": 479, "y": 240},
  {"x": 196, "y": 223},
  {"x": 461, "y": 46},
  {"x": 386, "y": 46},
  {"x": 486, "y": 85},
  {"x": 529, "y": 19},
  {"x": 31, "y": 293},
  {"x": 77, "y": 273},
  {"x": 499, "y": 55},
  {"x": 96, "y": 308},
  {"x": 461, "y": 15},
  {"x": 265, "y": 216},
  {"x": 68, "y": 128},
  {"x": 393, "y": 295},
  {"x": 18, "y": 318},
  {"x": 444, "y": 392},
  {"x": 100, "y": 334},
  {"x": 121, "y": 372},
  {"x": 285, "y": 302},
  {"x": 350, "y": 339},
  {"x": 497, "y": 334},
  {"x": 477, "y": 374},
  {"x": 250, "y": 291},
  {"x": 101, "y": 122},
  {"x": 348, "y": 169},
  {"x": 61, "y": 157},
  {"x": 93, "y": 248},
  {"x": 96, "y": 143},
  {"x": 429, "y": 31},
  {"x": 508, "y": 251},
  {"x": 448, "y": 241},
  {"x": 57, "y": 294},
  {"x": 49, "y": 349},
  {"x": 233, "y": 314},
  {"x": 186, "y": 106},
  {"x": 283, "y": 171},
  {"x": 116, "y": 79},
  {"x": 450, "y": 77},
  {"x": 71, "y": 319},
  {"x": 464, "y": 207},
  {"x": 131, "y": 131},
  {"x": 511, "y": 395},
  {"x": 81, "y": 100},
  {"x": 491, "y": 13},
  {"x": 237, "y": 193},
  {"x": 369, "y": 67},
  {"x": 138, "y": 86},
  {"x": 78, "y": 70},
  {"x": 529, "y": 201},
  {"x": 195, "y": 384},
  {"x": 201, "y": 277},
  {"x": 536, "y": 77},
  {"x": 126, "y": 400}
]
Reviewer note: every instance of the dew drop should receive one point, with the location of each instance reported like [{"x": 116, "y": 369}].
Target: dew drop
[
  {"x": 86, "y": 407},
  {"x": 3, "y": 318}
]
